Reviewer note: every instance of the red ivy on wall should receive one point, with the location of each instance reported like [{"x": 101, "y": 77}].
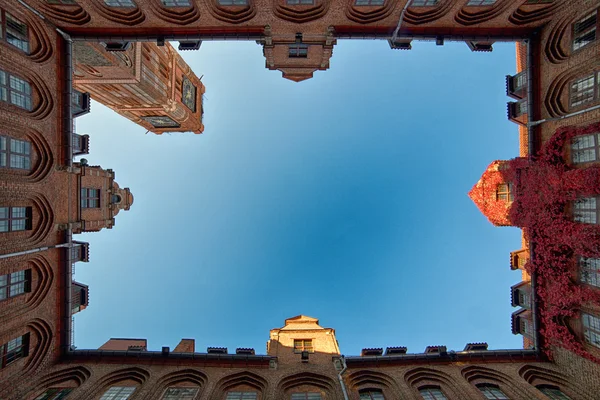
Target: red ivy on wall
[{"x": 543, "y": 190}]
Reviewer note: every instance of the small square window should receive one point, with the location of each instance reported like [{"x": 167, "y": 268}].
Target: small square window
[
  {"x": 298, "y": 50},
  {"x": 90, "y": 198},
  {"x": 301, "y": 345}
]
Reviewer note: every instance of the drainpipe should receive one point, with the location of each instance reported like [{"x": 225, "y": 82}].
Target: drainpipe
[
  {"x": 395, "y": 35},
  {"x": 531, "y": 150},
  {"x": 342, "y": 379},
  {"x": 541, "y": 121},
  {"x": 36, "y": 250}
]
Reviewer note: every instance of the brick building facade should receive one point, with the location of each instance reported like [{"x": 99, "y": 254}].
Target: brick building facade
[{"x": 46, "y": 197}]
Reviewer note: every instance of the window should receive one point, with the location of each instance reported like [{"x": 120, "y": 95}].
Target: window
[
  {"x": 586, "y": 210},
  {"x": 432, "y": 394},
  {"x": 54, "y": 394},
  {"x": 553, "y": 393},
  {"x": 13, "y": 350},
  {"x": 504, "y": 192},
  {"x": 585, "y": 148},
  {"x": 524, "y": 299},
  {"x": 79, "y": 144},
  {"x": 118, "y": 393},
  {"x": 14, "y": 31},
  {"x": 306, "y": 396},
  {"x": 13, "y": 219},
  {"x": 241, "y": 396},
  {"x": 76, "y": 253},
  {"x": 298, "y": 50},
  {"x": 90, "y": 198},
  {"x": 115, "y": 199},
  {"x": 424, "y": 3},
  {"x": 233, "y": 2},
  {"x": 591, "y": 329},
  {"x": 188, "y": 94},
  {"x": 299, "y": 2},
  {"x": 161, "y": 122},
  {"x": 371, "y": 394},
  {"x": 119, "y": 3},
  {"x": 176, "y": 3},
  {"x": 584, "y": 90},
  {"x": 538, "y": 1},
  {"x": 589, "y": 270},
  {"x": 64, "y": 3},
  {"x": 369, "y": 2},
  {"x": 481, "y": 2},
  {"x": 14, "y": 284},
  {"x": 584, "y": 30},
  {"x": 15, "y": 90},
  {"x": 525, "y": 327},
  {"x": 301, "y": 345},
  {"x": 180, "y": 393},
  {"x": 492, "y": 392},
  {"x": 15, "y": 153}
]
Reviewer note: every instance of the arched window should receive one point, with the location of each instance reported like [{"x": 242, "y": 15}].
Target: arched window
[
  {"x": 492, "y": 391},
  {"x": 241, "y": 396},
  {"x": 115, "y": 199},
  {"x": 15, "y": 153},
  {"x": 553, "y": 392},
  {"x": 371, "y": 394},
  {"x": 180, "y": 393},
  {"x": 432, "y": 393},
  {"x": 15, "y": 90},
  {"x": 14, "y": 284},
  {"x": 54, "y": 394},
  {"x": 14, "y": 219},
  {"x": 118, "y": 393}
]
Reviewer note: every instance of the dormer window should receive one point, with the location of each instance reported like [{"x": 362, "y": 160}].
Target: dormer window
[
  {"x": 14, "y": 31},
  {"x": 80, "y": 144},
  {"x": 298, "y": 50},
  {"x": 516, "y": 85},
  {"x": 589, "y": 271},
  {"x": 586, "y": 210},
  {"x": 591, "y": 329},
  {"x": 76, "y": 253},
  {"x": 504, "y": 192},
  {"x": 584, "y": 30},
  {"x": 585, "y": 148},
  {"x": 90, "y": 198},
  {"x": 524, "y": 299},
  {"x": 481, "y": 2},
  {"x": 369, "y": 2},
  {"x": 517, "y": 109},
  {"x": 301, "y": 345}
]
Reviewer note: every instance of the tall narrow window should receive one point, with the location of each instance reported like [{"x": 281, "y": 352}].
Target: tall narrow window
[
  {"x": 241, "y": 396},
  {"x": 589, "y": 271},
  {"x": 14, "y": 31},
  {"x": 54, "y": 394},
  {"x": 306, "y": 396},
  {"x": 371, "y": 394},
  {"x": 180, "y": 393},
  {"x": 14, "y": 284},
  {"x": 584, "y": 30},
  {"x": 591, "y": 329},
  {"x": 13, "y": 219},
  {"x": 432, "y": 393},
  {"x": 553, "y": 392},
  {"x": 584, "y": 90},
  {"x": 15, "y": 90},
  {"x": 481, "y": 2},
  {"x": 119, "y": 3},
  {"x": 301, "y": 345},
  {"x": 492, "y": 392},
  {"x": 369, "y": 2},
  {"x": 15, "y": 153},
  {"x": 586, "y": 210},
  {"x": 298, "y": 50},
  {"x": 13, "y": 350},
  {"x": 504, "y": 192},
  {"x": 118, "y": 393},
  {"x": 585, "y": 148},
  {"x": 90, "y": 198}
]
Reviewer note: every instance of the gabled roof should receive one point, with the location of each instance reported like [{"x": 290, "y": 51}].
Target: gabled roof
[{"x": 483, "y": 195}]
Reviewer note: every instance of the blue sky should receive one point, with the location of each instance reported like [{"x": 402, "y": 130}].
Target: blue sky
[{"x": 343, "y": 197}]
